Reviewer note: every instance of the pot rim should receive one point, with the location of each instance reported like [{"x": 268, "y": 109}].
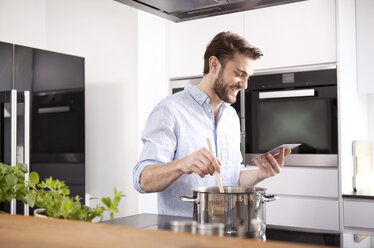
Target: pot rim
[
  {"x": 230, "y": 190},
  {"x": 40, "y": 213}
]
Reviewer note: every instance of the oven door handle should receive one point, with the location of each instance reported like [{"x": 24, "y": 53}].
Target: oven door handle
[
  {"x": 48, "y": 110},
  {"x": 286, "y": 94}
]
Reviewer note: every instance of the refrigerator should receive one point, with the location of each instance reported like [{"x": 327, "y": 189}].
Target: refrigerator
[{"x": 42, "y": 116}]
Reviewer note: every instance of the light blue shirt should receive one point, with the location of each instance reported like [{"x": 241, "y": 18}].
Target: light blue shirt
[{"x": 179, "y": 125}]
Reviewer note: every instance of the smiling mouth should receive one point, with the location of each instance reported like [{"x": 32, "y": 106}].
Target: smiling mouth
[{"x": 235, "y": 90}]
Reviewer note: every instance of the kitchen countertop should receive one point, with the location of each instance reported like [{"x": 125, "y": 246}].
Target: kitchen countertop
[
  {"x": 364, "y": 194},
  {"x": 22, "y": 231}
]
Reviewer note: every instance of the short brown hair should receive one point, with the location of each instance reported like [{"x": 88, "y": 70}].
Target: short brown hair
[{"x": 224, "y": 46}]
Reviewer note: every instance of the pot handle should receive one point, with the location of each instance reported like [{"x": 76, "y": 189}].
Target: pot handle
[
  {"x": 269, "y": 198},
  {"x": 193, "y": 199}
]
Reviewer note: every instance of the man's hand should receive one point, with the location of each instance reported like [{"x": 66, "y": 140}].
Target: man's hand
[
  {"x": 201, "y": 162},
  {"x": 270, "y": 166}
]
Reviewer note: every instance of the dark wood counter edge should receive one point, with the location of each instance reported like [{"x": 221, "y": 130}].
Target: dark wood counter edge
[{"x": 22, "y": 231}]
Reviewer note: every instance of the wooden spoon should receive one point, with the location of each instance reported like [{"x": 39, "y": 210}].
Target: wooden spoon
[{"x": 218, "y": 177}]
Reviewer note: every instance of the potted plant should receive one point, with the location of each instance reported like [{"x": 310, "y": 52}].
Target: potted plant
[{"x": 52, "y": 197}]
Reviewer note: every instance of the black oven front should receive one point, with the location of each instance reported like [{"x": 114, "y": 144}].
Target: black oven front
[{"x": 293, "y": 107}]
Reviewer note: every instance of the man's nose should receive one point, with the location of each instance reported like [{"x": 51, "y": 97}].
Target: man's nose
[{"x": 243, "y": 83}]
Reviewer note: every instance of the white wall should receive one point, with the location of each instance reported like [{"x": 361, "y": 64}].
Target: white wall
[
  {"x": 371, "y": 129},
  {"x": 105, "y": 33},
  {"x": 353, "y": 107},
  {"x": 152, "y": 82},
  {"x": 23, "y": 22}
]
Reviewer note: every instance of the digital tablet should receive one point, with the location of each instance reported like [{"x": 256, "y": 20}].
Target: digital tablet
[{"x": 276, "y": 150}]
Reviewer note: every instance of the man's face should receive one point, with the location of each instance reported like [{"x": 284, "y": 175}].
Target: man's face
[{"x": 233, "y": 77}]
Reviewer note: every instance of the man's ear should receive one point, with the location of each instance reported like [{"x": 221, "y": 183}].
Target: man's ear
[{"x": 214, "y": 64}]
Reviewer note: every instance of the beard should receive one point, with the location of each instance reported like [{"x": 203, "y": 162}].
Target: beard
[{"x": 222, "y": 89}]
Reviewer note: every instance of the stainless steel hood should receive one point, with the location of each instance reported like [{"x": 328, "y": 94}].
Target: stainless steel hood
[{"x": 184, "y": 10}]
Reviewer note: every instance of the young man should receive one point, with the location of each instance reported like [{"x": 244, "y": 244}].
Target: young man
[{"x": 175, "y": 158}]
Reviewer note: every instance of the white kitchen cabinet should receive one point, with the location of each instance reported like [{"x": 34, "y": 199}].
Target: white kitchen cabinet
[
  {"x": 301, "y": 181},
  {"x": 310, "y": 213},
  {"x": 365, "y": 41},
  {"x": 300, "y": 33},
  {"x": 187, "y": 41},
  {"x": 358, "y": 213},
  {"x": 294, "y": 34},
  {"x": 308, "y": 198}
]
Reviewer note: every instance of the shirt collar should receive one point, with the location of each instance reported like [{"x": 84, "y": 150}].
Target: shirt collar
[{"x": 200, "y": 97}]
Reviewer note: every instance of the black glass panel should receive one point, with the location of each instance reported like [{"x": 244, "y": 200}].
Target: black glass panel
[{"x": 58, "y": 127}]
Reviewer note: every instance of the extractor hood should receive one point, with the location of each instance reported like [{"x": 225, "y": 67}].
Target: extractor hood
[{"x": 184, "y": 10}]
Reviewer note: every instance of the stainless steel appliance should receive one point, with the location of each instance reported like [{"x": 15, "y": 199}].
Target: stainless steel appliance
[
  {"x": 237, "y": 208},
  {"x": 293, "y": 105}
]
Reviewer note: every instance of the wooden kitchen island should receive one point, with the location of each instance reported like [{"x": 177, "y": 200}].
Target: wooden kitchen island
[{"x": 21, "y": 231}]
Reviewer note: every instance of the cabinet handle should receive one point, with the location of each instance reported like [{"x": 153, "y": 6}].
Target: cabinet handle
[
  {"x": 286, "y": 94},
  {"x": 13, "y": 139},
  {"x": 49, "y": 110},
  {"x": 26, "y": 140}
]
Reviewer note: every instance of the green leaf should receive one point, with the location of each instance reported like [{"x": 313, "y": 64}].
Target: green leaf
[
  {"x": 42, "y": 185},
  {"x": 34, "y": 178},
  {"x": 20, "y": 175},
  {"x": 67, "y": 204},
  {"x": 106, "y": 201},
  {"x": 114, "y": 210},
  {"x": 31, "y": 198},
  {"x": 11, "y": 180},
  {"x": 65, "y": 191},
  {"x": 8, "y": 196},
  {"x": 22, "y": 167}
]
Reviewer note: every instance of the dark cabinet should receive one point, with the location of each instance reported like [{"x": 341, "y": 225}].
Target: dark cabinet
[
  {"x": 27, "y": 68},
  {"x": 6, "y": 66},
  {"x": 55, "y": 71},
  {"x": 23, "y": 67}
]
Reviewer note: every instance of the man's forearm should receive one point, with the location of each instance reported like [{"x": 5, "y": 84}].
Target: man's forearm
[
  {"x": 249, "y": 178},
  {"x": 159, "y": 177}
]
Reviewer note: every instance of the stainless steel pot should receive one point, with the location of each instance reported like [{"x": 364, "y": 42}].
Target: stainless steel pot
[{"x": 241, "y": 209}]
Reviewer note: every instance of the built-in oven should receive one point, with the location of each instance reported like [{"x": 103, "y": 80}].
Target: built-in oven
[
  {"x": 297, "y": 105},
  {"x": 58, "y": 127}
]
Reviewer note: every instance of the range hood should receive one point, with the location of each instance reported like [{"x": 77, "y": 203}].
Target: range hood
[{"x": 184, "y": 10}]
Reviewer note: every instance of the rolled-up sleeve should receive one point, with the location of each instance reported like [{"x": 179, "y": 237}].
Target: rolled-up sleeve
[{"x": 159, "y": 141}]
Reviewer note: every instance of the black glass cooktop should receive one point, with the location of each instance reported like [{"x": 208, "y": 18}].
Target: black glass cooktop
[{"x": 161, "y": 222}]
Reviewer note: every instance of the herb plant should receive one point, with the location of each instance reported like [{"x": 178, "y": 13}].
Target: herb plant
[{"x": 51, "y": 195}]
